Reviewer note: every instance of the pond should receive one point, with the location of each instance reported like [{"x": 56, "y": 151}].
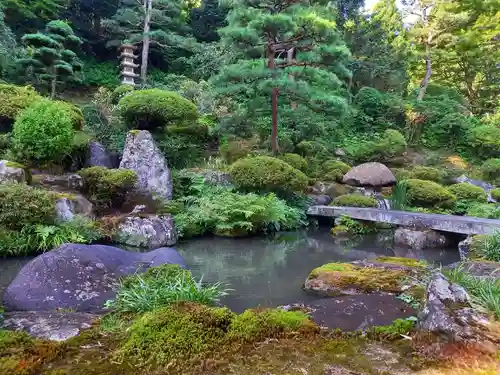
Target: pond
[{"x": 269, "y": 271}]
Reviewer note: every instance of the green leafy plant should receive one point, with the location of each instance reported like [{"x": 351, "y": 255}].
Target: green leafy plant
[
  {"x": 495, "y": 194},
  {"x": 43, "y": 132},
  {"x": 487, "y": 211},
  {"x": 154, "y": 108},
  {"x": 264, "y": 173},
  {"x": 296, "y": 161},
  {"x": 120, "y": 91},
  {"x": 13, "y": 100},
  {"x": 485, "y": 141},
  {"x": 491, "y": 170},
  {"x": 429, "y": 194},
  {"x": 100, "y": 73},
  {"x": 354, "y": 226},
  {"x": 354, "y": 200},
  {"x": 485, "y": 291},
  {"x": 399, "y": 198},
  {"x": 427, "y": 174},
  {"x": 161, "y": 287},
  {"x": 488, "y": 247}
]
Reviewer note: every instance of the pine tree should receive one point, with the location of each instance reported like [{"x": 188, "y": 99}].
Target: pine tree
[
  {"x": 7, "y": 44},
  {"x": 52, "y": 57},
  {"x": 286, "y": 48},
  {"x": 207, "y": 19},
  {"x": 158, "y": 23}
]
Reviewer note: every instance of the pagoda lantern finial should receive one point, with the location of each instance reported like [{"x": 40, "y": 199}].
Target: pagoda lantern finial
[{"x": 127, "y": 64}]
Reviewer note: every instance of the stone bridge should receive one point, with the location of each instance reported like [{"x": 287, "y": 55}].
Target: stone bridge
[{"x": 445, "y": 223}]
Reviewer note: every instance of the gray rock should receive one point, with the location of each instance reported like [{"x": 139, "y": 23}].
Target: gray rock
[
  {"x": 464, "y": 247},
  {"x": 143, "y": 156},
  {"x": 65, "y": 182},
  {"x": 149, "y": 232},
  {"x": 49, "y": 325},
  {"x": 78, "y": 277},
  {"x": 487, "y": 187},
  {"x": 11, "y": 174},
  {"x": 419, "y": 239},
  {"x": 215, "y": 177},
  {"x": 319, "y": 200},
  {"x": 369, "y": 174},
  {"x": 77, "y": 204},
  {"x": 98, "y": 156},
  {"x": 448, "y": 312}
]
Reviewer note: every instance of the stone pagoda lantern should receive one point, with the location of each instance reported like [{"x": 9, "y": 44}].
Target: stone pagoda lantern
[{"x": 127, "y": 64}]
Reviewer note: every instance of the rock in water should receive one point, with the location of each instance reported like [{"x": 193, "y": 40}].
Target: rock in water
[
  {"x": 79, "y": 277},
  {"x": 143, "y": 156},
  {"x": 148, "y": 232},
  {"x": 419, "y": 239},
  {"x": 98, "y": 156},
  {"x": 369, "y": 174},
  {"x": 9, "y": 173}
]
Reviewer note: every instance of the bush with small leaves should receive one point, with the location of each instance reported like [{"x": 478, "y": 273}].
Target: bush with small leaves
[
  {"x": 311, "y": 148},
  {"x": 13, "y": 100},
  {"x": 43, "y": 133},
  {"x": 495, "y": 194},
  {"x": 491, "y": 170},
  {"x": 485, "y": 210},
  {"x": 354, "y": 200},
  {"x": 264, "y": 173},
  {"x": 427, "y": 173},
  {"x": 120, "y": 92},
  {"x": 74, "y": 113},
  {"x": 430, "y": 194},
  {"x": 468, "y": 192},
  {"x": 107, "y": 187},
  {"x": 485, "y": 141},
  {"x": 154, "y": 108},
  {"x": 295, "y": 160}
]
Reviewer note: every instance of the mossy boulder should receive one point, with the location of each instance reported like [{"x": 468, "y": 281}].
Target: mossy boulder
[
  {"x": 430, "y": 194},
  {"x": 427, "y": 173},
  {"x": 468, "y": 192},
  {"x": 334, "y": 170},
  {"x": 335, "y": 190},
  {"x": 354, "y": 200},
  {"x": 381, "y": 275}
]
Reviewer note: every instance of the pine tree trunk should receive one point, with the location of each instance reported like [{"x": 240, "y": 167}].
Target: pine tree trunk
[
  {"x": 148, "y": 8},
  {"x": 53, "y": 87},
  {"x": 428, "y": 72},
  {"x": 275, "y": 92}
]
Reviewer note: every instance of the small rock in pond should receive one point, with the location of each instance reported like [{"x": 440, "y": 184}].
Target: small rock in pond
[{"x": 147, "y": 232}]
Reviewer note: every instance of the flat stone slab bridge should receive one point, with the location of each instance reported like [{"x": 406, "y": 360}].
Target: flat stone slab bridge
[{"x": 445, "y": 223}]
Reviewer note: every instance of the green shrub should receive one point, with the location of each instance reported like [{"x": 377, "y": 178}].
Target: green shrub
[
  {"x": 490, "y": 170},
  {"x": 485, "y": 141},
  {"x": 387, "y": 145},
  {"x": 335, "y": 175},
  {"x": 487, "y": 211},
  {"x": 223, "y": 212},
  {"x": 162, "y": 286},
  {"x": 468, "y": 192},
  {"x": 311, "y": 148},
  {"x": 43, "y": 133},
  {"x": 107, "y": 187},
  {"x": 495, "y": 194},
  {"x": 22, "y": 205},
  {"x": 429, "y": 194},
  {"x": 100, "y": 73},
  {"x": 264, "y": 173},
  {"x": 331, "y": 165},
  {"x": 354, "y": 200},
  {"x": 108, "y": 130},
  {"x": 74, "y": 113},
  {"x": 154, "y": 108},
  {"x": 426, "y": 173},
  {"x": 448, "y": 131},
  {"x": 120, "y": 92},
  {"x": 235, "y": 149},
  {"x": 13, "y": 100},
  {"x": 401, "y": 174},
  {"x": 296, "y": 161}
]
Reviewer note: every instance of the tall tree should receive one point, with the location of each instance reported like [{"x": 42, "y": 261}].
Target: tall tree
[
  {"x": 7, "y": 45},
  {"x": 30, "y": 15},
  {"x": 206, "y": 20},
  {"x": 52, "y": 53},
  {"x": 158, "y": 23},
  {"x": 288, "y": 48}
]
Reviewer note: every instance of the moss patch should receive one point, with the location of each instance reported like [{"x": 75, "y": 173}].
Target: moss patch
[{"x": 400, "y": 261}]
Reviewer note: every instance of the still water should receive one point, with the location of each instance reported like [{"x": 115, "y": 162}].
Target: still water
[{"x": 269, "y": 271}]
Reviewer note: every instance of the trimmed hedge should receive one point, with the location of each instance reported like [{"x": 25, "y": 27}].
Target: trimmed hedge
[
  {"x": 430, "y": 194},
  {"x": 295, "y": 160},
  {"x": 13, "y": 100},
  {"x": 264, "y": 173},
  {"x": 427, "y": 173},
  {"x": 154, "y": 108},
  {"x": 120, "y": 91},
  {"x": 43, "y": 132},
  {"x": 468, "y": 192},
  {"x": 354, "y": 200}
]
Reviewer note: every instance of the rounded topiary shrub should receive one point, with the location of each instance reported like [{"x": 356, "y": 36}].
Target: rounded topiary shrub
[
  {"x": 429, "y": 194},
  {"x": 495, "y": 194},
  {"x": 331, "y": 165},
  {"x": 310, "y": 148},
  {"x": 354, "y": 200},
  {"x": 295, "y": 160},
  {"x": 468, "y": 192},
  {"x": 485, "y": 141},
  {"x": 74, "y": 113},
  {"x": 120, "y": 92},
  {"x": 264, "y": 173},
  {"x": 22, "y": 205},
  {"x": 491, "y": 170},
  {"x": 43, "y": 133},
  {"x": 14, "y": 99},
  {"x": 427, "y": 173},
  {"x": 154, "y": 108}
]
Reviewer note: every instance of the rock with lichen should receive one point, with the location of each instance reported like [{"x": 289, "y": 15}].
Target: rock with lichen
[
  {"x": 380, "y": 275},
  {"x": 12, "y": 173},
  {"x": 148, "y": 231},
  {"x": 419, "y": 239}
]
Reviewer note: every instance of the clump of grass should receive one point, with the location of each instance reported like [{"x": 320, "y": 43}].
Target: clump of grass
[
  {"x": 490, "y": 248},
  {"x": 399, "y": 199},
  {"x": 484, "y": 291},
  {"x": 161, "y": 287}
]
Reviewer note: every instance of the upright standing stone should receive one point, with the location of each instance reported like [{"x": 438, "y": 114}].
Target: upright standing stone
[
  {"x": 98, "y": 156},
  {"x": 143, "y": 156}
]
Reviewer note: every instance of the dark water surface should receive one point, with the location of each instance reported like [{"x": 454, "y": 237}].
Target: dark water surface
[{"x": 268, "y": 271}]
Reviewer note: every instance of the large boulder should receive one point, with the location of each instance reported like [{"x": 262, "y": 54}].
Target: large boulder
[
  {"x": 448, "y": 312},
  {"x": 49, "y": 325},
  {"x": 78, "y": 277},
  {"x": 369, "y": 174},
  {"x": 419, "y": 239},
  {"x": 11, "y": 173},
  {"x": 143, "y": 156},
  {"x": 98, "y": 156},
  {"x": 149, "y": 232}
]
